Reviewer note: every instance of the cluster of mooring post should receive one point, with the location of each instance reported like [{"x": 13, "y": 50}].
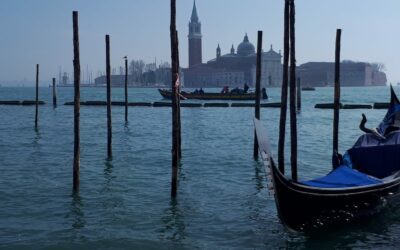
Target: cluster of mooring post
[
  {"x": 126, "y": 89},
  {"x": 37, "y": 96},
  {"x": 54, "y": 93},
  {"x": 108, "y": 77},
  {"x": 175, "y": 86},
  {"x": 336, "y": 102},
  {"x": 258, "y": 89},
  {"x": 77, "y": 77},
  {"x": 285, "y": 79},
  {"x": 298, "y": 95},
  {"x": 289, "y": 51}
]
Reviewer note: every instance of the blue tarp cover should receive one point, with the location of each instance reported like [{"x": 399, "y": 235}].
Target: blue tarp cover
[
  {"x": 342, "y": 177},
  {"x": 376, "y": 161}
]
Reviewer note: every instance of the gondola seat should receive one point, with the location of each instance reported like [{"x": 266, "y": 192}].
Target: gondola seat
[
  {"x": 342, "y": 177},
  {"x": 377, "y": 161}
]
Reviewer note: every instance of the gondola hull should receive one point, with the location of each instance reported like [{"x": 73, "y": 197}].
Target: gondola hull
[
  {"x": 306, "y": 208},
  {"x": 167, "y": 94}
]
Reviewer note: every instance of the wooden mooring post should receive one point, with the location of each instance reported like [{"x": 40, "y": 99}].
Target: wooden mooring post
[
  {"x": 336, "y": 102},
  {"x": 175, "y": 101},
  {"x": 77, "y": 77},
  {"x": 54, "y": 93},
  {"x": 258, "y": 89},
  {"x": 285, "y": 79},
  {"x": 126, "y": 89},
  {"x": 298, "y": 99},
  {"x": 37, "y": 96},
  {"x": 178, "y": 99},
  {"x": 108, "y": 76},
  {"x": 293, "y": 119}
]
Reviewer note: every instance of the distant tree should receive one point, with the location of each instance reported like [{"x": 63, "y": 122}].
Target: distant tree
[
  {"x": 164, "y": 65},
  {"x": 136, "y": 69},
  {"x": 149, "y": 76},
  {"x": 379, "y": 66},
  {"x": 150, "y": 67}
]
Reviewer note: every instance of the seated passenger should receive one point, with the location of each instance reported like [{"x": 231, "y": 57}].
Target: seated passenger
[{"x": 235, "y": 91}]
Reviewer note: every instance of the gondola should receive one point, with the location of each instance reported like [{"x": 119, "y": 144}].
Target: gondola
[
  {"x": 167, "y": 94},
  {"x": 309, "y": 88},
  {"x": 365, "y": 181}
]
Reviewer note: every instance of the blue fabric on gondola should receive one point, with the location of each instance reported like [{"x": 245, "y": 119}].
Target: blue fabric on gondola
[
  {"x": 347, "y": 160},
  {"x": 378, "y": 161},
  {"x": 389, "y": 119},
  {"x": 342, "y": 177}
]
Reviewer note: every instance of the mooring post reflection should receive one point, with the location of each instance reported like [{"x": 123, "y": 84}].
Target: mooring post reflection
[
  {"x": 38, "y": 135},
  {"x": 108, "y": 170},
  {"x": 174, "y": 222},
  {"x": 76, "y": 212},
  {"x": 258, "y": 178}
]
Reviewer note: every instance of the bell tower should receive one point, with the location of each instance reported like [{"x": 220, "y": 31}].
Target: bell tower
[
  {"x": 218, "y": 51},
  {"x": 194, "y": 38}
]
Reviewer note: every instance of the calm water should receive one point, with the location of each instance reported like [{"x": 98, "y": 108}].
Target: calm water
[{"x": 223, "y": 201}]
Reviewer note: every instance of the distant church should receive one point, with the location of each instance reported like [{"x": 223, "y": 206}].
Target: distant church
[{"x": 231, "y": 69}]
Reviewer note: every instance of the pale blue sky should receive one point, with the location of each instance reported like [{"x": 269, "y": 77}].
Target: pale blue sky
[{"x": 40, "y": 31}]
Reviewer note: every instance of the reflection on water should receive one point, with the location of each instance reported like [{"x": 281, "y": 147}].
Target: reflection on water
[
  {"x": 376, "y": 232},
  {"x": 126, "y": 127},
  {"x": 174, "y": 223},
  {"x": 37, "y": 137},
  {"x": 108, "y": 169},
  {"x": 258, "y": 175},
  {"x": 76, "y": 213}
]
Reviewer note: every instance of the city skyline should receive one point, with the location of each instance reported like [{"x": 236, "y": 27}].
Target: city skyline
[{"x": 41, "y": 32}]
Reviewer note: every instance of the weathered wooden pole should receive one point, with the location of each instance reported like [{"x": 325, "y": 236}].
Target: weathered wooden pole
[
  {"x": 285, "y": 78},
  {"x": 175, "y": 89},
  {"x": 54, "y": 93},
  {"x": 178, "y": 99},
  {"x": 336, "y": 96},
  {"x": 126, "y": 89},
  {"x": 258, "y": 89},
  {"x": 37, "y": 96},
  {"x": 293, "y": 120},
  {"x": 298, "y": 87},
  {"x": 77, "y": 77},
  {"x": 108, "y": 76}
]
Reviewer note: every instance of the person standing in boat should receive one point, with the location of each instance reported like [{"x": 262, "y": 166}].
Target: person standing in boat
[{"x": 246, "y": 88}]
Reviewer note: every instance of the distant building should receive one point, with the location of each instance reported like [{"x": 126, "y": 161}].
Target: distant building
[
  {"x": 351, "y": 74},
  {"x": 159, "y": 77},
  {"x": 231, "y": 69},
  {"x": 194, "y": 37}
]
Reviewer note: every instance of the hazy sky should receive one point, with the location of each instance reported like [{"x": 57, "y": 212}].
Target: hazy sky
[{"x": 40, "y": 31}]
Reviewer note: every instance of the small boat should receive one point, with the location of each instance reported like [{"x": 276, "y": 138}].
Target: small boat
[
  {"x": 309, "y": 88},
  {"x": 215, "y": 96},
  {"x": 365, "y": 181}
]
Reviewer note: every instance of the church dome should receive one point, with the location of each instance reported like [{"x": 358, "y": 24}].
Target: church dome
[{"x": 246, "y": 48}]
